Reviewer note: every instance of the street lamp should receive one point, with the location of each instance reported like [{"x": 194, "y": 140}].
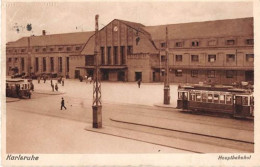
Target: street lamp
[
  {"x": 97, "y": 106},
  {"x": 166, "y": 76}
]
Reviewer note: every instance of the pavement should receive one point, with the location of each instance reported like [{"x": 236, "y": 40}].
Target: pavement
[
  {"x": 132, "y": 124},
  {"x": 10, "y": 99}
]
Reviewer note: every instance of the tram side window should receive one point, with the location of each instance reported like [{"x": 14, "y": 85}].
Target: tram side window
[
  {"x": 198, "y": 97},
  {"x": 185, "y": 95},
  {"x": 204, "y": 97},
  {"x": 216, "y": 98},
  {"x": 210, "y": 98},
  {"x": 228, "y": 99},
  {"x": 245, "y": 101},
  {"x": 25, "y": 86},
  {"x": 192, "y": 97},
  {"x": 222, "y": 99}
]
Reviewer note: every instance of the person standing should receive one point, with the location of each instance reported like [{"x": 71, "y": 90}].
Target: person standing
[
  {"x": 52, "y": 86},
  {"x": 39, "y": 79},
  {"x": 139, "y": 82},
  {"x": 56, "y": 87},
  {"x": 62, "y": 104},
  {"x": 51, "y": 81},
  {"x": 62, "y": 81}
]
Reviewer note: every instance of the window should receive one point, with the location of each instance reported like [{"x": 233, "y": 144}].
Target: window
[
  {"x": 178, "y": 73},
  {"x": 230, "y": 42},
  {"x": 36, "y": 64},
  {"x": 250, "y": 41},
  {"x": 192, "y": 96},
  {"x": 222, "y": 99},
  {"x": 228, "y": 99},
  {"x": 194, "y": 58},
  {"x": 36, "y": 50},
  {"x": 204, "y": 97},
  {"x": 194, "y": 73},
  {"x": 198, "y": 97},
  {"x": 60, "y": 64},
  {"x": 195, "y": 43},
  {"x": 68, "y": 49},
  {"x": 178, "y": 44},
  {"x": 22, "y": 63},
  {"x": 16, "y": 59},
  {"x": 211, "y": 74},
  {"x": 178, "y": 58},
  {"x": 44, "y": 49},
  {"x": 212, "y": 58},
  {"x": 231, "y": 57},
  {"x": 60, "y": 48},
  {"x": 102, "y": 50},
  {"x": 115, "y": 55},
  {"x": 78, "y": 47},
  {"x": 216, "y": 98},
  {"x": 44, "y": 63},
  {"x": 163, "y": 45},
  {"x": 212, "y": 42},
  {"x": 163, "y": 58},
  {"x": 245, "y": 101},
  {"x": 230, "y": 74},
  {"x": 23, "y": 50},
  {"x": 210, "y": 98},
  {"x": 122, "y": 54},
  {"x": 129, "y": 50},
  {"x": 51, "y": 49},
  {"x": 68, "y": 64},
  {"x": 109, "y": 55},
  {"x": 89, "y": 60},
  {"x": 52, "y": 63},
  {"x": 250, "y": 57},
  {"x": 9, "y": 59}
]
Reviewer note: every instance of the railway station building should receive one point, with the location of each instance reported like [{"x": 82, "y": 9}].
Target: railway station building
[{"x": 220, "y": 51}]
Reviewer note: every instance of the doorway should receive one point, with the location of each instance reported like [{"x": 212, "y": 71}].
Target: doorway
[
  {"x": 77, "y": 73},
  {"x": 138, "y": 75},
  {"x": 121, "y": 76}
]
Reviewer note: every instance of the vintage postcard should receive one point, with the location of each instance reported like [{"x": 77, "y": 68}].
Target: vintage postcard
[{"x": 130, "y": 83}]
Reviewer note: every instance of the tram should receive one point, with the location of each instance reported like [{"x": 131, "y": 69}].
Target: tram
[
  {"x": 18, "y": 88},
  {"x": 217, "y": 99}
]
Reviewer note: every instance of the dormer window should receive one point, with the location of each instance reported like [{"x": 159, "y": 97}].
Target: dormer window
[
  {"x": 44, "y": 49},
  {"x": 195, "y": 43},
  {"x": 60, "y": 48},
  {"x": 230, "y": 42},
  {"x": 78, "y": 48},
  {"x": 51, "y": 49},
  {"x": 68, "y": 48}
]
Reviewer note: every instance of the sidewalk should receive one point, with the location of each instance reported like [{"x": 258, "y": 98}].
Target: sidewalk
[
  {"x": 165, "y": 105},
  {"x": 190, "y": 127}
]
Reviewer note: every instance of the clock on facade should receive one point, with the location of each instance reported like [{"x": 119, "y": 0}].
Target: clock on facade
[{"x": 115, "y": 28}]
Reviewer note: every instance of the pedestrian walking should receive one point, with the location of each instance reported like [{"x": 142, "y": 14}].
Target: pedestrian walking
[
  {"x": 51, "y": 81},
  {"x": 39, "y": 79},
  {"x": 62, "y": 81},
  {"x": 62, "y": 104},
  {"x": 56, "y": 87},
  {"x": 44, "y": 79},
  {"x": 32, "y": 86},
  {"x": 139, "y": 82},
  {"x": 52, "y": 86}
]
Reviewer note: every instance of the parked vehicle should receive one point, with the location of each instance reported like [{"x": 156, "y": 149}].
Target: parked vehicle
[{"x": 18, "y": 88}]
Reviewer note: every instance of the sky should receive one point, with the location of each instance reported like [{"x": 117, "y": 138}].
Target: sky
[{"x": 66, "y": 17}]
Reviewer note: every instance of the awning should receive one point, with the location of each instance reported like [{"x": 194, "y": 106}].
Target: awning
[{"x": 103, "y": 67}]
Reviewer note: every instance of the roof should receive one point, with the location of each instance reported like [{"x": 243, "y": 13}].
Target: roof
[
  {"x": 216, "y": 28},
  {"x": 55, "y": 39}
]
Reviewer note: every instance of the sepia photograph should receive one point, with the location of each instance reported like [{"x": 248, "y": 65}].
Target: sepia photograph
[{"x": 86, "y": 80}]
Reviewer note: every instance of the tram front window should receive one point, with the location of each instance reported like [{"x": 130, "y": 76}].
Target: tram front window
[
  {"x": 198, "y": 96},
  {"x": 245, "y": 101}
]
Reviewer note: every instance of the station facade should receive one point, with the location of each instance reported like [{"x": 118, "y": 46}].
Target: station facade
[{"x": 219, "y": 51}]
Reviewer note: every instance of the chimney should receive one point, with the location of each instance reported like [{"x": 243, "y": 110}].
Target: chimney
[{"x": 43, "y": 32}]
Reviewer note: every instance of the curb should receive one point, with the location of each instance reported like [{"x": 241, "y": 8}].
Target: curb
[
  {"x": 164, "y": 106},
  {"x": 10, "y": 100}
]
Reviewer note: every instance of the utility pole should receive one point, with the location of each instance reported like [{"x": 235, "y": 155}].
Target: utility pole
[
  {"x": 97, "y": 106},
  {"x": 166, "y": 74},
  {"x": 29, "y": 51}
]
